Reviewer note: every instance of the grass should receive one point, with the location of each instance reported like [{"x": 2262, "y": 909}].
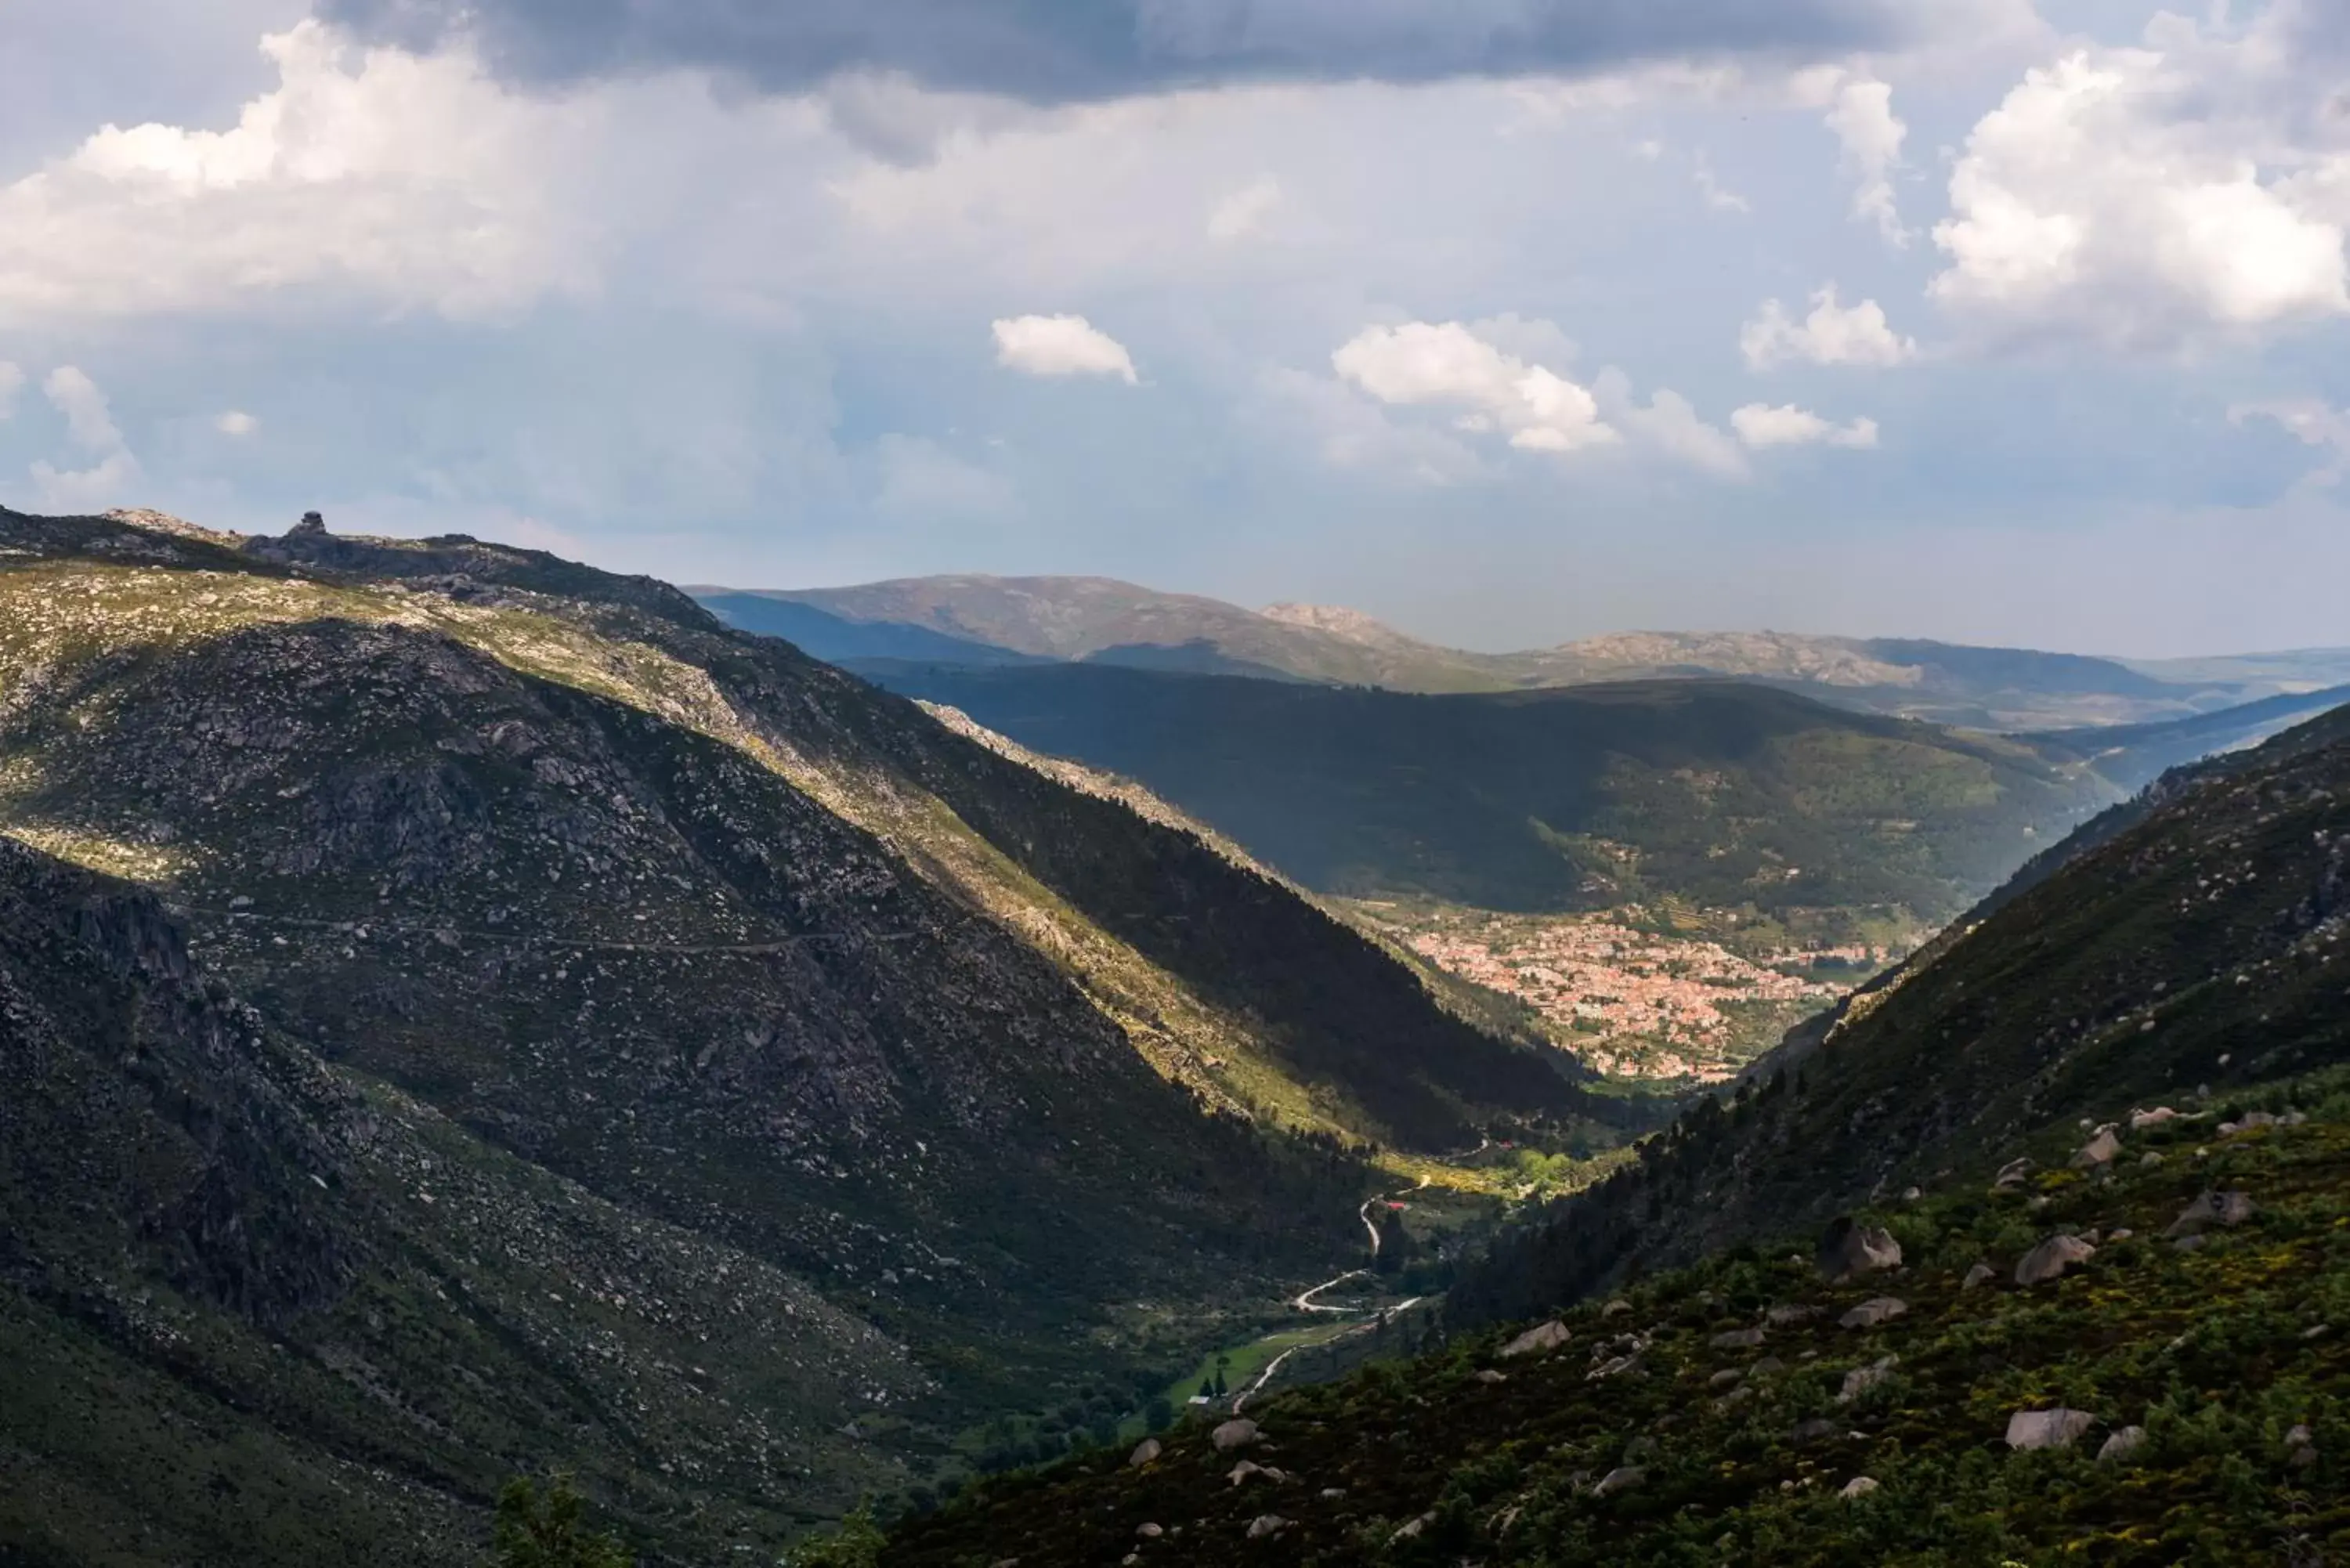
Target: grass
[{"x": 2217, "y": 1353}]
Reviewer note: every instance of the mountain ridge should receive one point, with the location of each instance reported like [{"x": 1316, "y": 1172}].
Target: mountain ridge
[{"x": 1105, "y": 619}]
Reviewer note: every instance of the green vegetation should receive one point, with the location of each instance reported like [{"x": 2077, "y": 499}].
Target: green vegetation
[
  {"x": 1747, "y": 1411},
  {"x": 550, "y": 1530},
  {"x": 646, "y": 1052},
  {"x": 2180, "y": 980},
  {"x": 1719, "y": 794}
]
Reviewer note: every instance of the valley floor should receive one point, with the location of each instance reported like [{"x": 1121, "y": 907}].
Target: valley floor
[{"x": 2191, "y": 1362}]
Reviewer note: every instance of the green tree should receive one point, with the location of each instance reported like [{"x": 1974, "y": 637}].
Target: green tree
[
  {"x": 855, "y": 1544},
  {"x": 532, "y": 1529}
]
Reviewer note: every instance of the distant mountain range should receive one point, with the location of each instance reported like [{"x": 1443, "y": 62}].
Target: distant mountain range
[{"x": 1002, "y": 620}]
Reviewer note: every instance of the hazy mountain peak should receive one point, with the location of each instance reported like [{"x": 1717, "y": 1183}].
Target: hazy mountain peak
[{"x": 1353, "y": 625}]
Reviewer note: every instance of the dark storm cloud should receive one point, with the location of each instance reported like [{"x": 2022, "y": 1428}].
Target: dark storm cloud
[{"x": 1061, "y": 50}]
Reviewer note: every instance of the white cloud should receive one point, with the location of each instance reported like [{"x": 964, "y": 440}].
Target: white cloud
[
  {"x": 89, "y": 424},
  {"x": 1761, "y": 425},
  {"x": 410, "y": 180},
  {"x": 2142, "y": 197},
  {"x": 1060, "y": 346},
  {"x": 1717, "y": 195},
  {"x": 1863, "y": 120},
  {"x": 2315, "y": 424},
  {"x": 236, "y": 422},
  {"x": 1669, "y": 423},
  {"x": 1449, "y": 364},
  {"x": 12, "y": 381},
  {"x": 1244, "y": 212},
  {"x": 1832, "y": 334}
]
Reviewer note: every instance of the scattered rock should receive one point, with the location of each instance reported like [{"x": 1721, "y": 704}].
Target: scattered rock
[
  {"x": 2053, "y": 1428},
  {"x": 1242, "y": 1471},
  {"x": 1724, "y": 1378},
  {"x": 2150, "y": 1157},
  {"x": 2013, "y": 1174},
  {"x": 2049, "y": 1260},
  {"x": 2301, "y": 1437},
  {"x": 1911, "y": 1194},
  {"x": 2119, "y": 1448},
  {"x": 1149, "y": 1532},
  {"x": 1623, "y": 1478},
  {"x": 2099, "y": 1151},
  {"x": 1859, "y": 1486},
  {"x": 1617, "y": 1366},
  {"x": 1817, "y": 1429},
  {"x": 1331, "y": 1493},
  {"x": 1847, "y": 1248},
  {"x": 1234, "y": 1434},
  {"x": 2212, "y": 1208},
  {"x": 1869, "y": 1313},
  {"x": 1732, "y": 1401},
  {"x": 2121, "y": 1233},
  {"x": 1767, "y": 1366},
  {"x": 1145, "y": 1451},
  {"x": 1981, "y": 1274},
  {"x": 1738, "y": 1339},
  {"x": 1265, "y": 1524},
  {"x": 1542, "y": 1337},
  {"x": 2141, "y": 1120},
  {"x": 2318, "y": 1331},
  {"x": 1411, "y": 1528},
  {"x": 1861, "y": 1379},
  {"x": 2191, "y": 1243},
  {"x": 1488, "y": 1375},
  {"x": 1781, "y": 1316},
  {"x": 1615, "y": 1308}
]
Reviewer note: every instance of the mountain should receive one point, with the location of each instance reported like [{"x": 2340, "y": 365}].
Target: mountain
[
  {"x": 1727, "y": 794},
  {"x": 623, "y": 982},
  {"x": 2131, "y": 756},
  {"x": 257, "y": 1308},
  {"x": 837, "y": 639},
  {"x": 2107, "y": 1129},
  {"x": 1111, "y": 622},
  {"x": 1104, "y": 620},
  {"x": 2192, "y": 939}
]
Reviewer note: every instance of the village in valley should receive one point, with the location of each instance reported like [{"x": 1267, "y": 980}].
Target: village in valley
[{"x": 1639, "y": 993}]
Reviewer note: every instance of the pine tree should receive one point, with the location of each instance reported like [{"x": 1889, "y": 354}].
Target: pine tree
[{"x": 549, "y": 1532}]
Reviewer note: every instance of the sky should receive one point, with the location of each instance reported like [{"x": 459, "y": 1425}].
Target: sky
[{"x": 1508, "y": 321}]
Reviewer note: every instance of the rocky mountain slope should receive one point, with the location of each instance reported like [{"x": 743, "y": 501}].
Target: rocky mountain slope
[
  {"x": 2039, "y": 1256},
  {"x": 984, "y": 620},
  {"x": 1726, "y": 795},
  {"x": 254, "y": 1308},
  {"x": 618, "y": 904}
]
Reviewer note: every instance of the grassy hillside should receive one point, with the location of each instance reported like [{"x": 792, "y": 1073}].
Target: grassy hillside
[
  {"x": 1725, "y": 795},
  {"x": 1722, "y": 1412},
  {"x": 726, "y": 943},
  {"x": 2090, "y": 1072}
]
